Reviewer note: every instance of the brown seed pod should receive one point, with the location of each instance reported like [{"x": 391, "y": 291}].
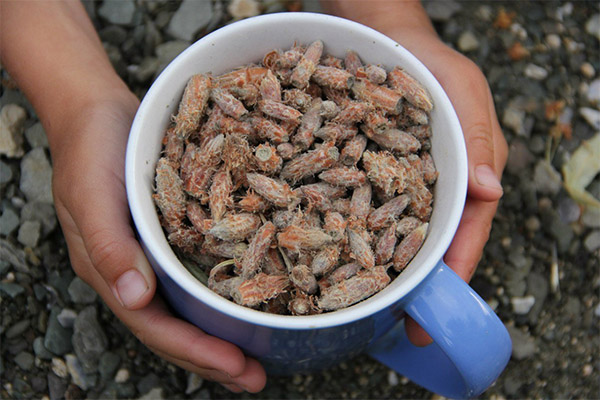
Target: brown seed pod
[
  {"x": 295, "y": 238},
  {"x": 410, "y": 88},
  {"x": 192, "y": 105},
  {"x": 303, "y": 278},
  {"x": 169, "y": 196},
  {"x": 409, "y": 246}
]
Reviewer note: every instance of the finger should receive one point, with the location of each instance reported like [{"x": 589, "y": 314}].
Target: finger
[{"x": 415, "y": 333}]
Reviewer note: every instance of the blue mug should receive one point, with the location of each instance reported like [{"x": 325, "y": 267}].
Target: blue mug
[{"x": 471, "y": 345}]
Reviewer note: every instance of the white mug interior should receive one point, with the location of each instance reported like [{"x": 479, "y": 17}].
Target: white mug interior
[{"x": 246, "y": 42}]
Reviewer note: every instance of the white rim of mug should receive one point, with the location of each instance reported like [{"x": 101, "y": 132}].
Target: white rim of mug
[{"x": 194, "y": 287}]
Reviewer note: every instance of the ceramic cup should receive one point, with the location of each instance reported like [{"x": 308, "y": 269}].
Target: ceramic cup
[{"x": 471, "y": 346}]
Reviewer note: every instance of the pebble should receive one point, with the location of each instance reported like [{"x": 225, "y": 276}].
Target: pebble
[
  {"x": 9, "y": 221},
  {"x": 6, "y": 173},
  {"x": 57, "y": 338},
  {"x": 40, "y": 350},
  {"x": 36, "y": 135},
  {"x": 514, "y": 119},
  {"x": 154, "y": 394},
  {"x": 36, "y": 176},
  {"x": 392, "y": 378},
  {"x": 519, "y": 157},
  {"x": 553, "y": 41},
  {"x": 591, "y": 217},
  {"x": 568, "y": 210},
  {"x": 89, "y": 340},
  {"x": 56, "y": 387},
  {"x": 11, "y": 289},
  {"x": 587, "y": 70},
  {"x": 122, "y": 375},
  {"x": 593, "y": 91},
  {"x": 145, "y": 70},
  {"x": 522, "y": 305},
  {"x": 147, "y": 383},
  {"x": 592, "y": 241},
  {"x": 12, "y": 119},
  {"x": 29, "y": 233},
  {"x": 24, "y": 360},
  {"x": 80, "y": 292},
  {"x": 535, "y": 72},
  {"x": 194, "y": 382},
  {"x": 591, "y": 116},
  {"x": 592, "y": 26},
  {"x": 17, "y": 329},
  {"x": 547, "y": 180},
  {"x": 167, "y": 51},
  {"x": 67, "y": 317},
  {"x": 108, "y": 364},
  {"x": 42, "y": 212},
  {"x": 523, "y": 344},
  {"x": 59, "y": 367},
  {"x": 190, "y": 17},
  {"x": 78, "y": 375},
  {"x": 467, "y": 41},
  {"x": 239, "y": 9},
  {"x": 118, "y": 12}
]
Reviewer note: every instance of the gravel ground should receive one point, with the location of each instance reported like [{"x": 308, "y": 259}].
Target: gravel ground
[{"x": 539, "y": 271}]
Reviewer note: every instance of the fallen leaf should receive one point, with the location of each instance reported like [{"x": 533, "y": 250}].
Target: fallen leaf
[{"x": 581, "y": 169}]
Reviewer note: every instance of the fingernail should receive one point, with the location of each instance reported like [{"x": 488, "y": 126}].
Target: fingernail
[
  {"x": 486, "y": 176},
  {"x": 130, "y": 287},
  {"x": 232, "y": 387}
]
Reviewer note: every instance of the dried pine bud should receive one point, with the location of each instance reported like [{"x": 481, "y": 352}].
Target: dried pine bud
[
  {"x": 220, "y": 194},
  {"x": 353, "y": 150},
  {"x": 257, "y": 249},
  {"x": 241, "y": 77},
  {"x": 335, "y": 225},
  {"x": 343, "y": 206},
  {"x": 199, "y": 164},
  {"x": 332, "y": 77},
  {"x": 344, "y": 176},
  {"x": 269, "y": 130},
  {"x": 279, "y": 110},
  {"x": 353, "y": 290},
  {"x": 410, "y": 89},
  {"x": 430, "y": 173},
  {"x": 221, "y": 248},
  {"x": 259, "y": 289},
  {"x": 235, "y": 227},
  {"x": 228, "y": 103},
  {"x": 267, "y": 159},
  {"x": 384, "y": 171},
  {"x": 174, "y": 146},
  {"x": 310, "y": 163},
  {"x": 295, "y": 238},
  {"x": 251, "y": 202},
  {"x": 406, "y": 225},
  {"x": 379, "y": 96},
  {"x": 270, "y": 88},
  {"x": 303, "y": 278},
  {"x": 412, "y": 115},
  {"x": 343, "y": 272},
  {"x": 375, "y": 74},
  {"x": 298, "y": 99},
  {"x": 307, "y": 64},
  {"x": 360, "y": 204},
  {"x": 273, "y": 191},
  {"x": 271, "y": 264},
  {"x": 310, "y": 123},
  {"x": 352, "y": 113},
  {"x": 397, "y": 141},
  {"x": 385, "y": 215},
  {"x": 329, "y": 109},
  {"x": 186, "y": 239},
  {"x": 361, "y": 251},
  {"x": 409, "y": 246},
  {"x": 352, "y": 62},
  {"x": 286, "y": 150},
  {"x": 192, "y": 105},
  {"x": 325, "y": 260},
  {"x": 384, "y": 249},
  {"x": 331, "y": 61},
  {"x": 169, "y": 196}
]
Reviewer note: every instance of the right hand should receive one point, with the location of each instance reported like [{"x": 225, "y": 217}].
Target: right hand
[{"x": 91, "y": 203}]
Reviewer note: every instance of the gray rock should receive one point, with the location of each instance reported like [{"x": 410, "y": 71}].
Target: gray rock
[
  {"x": 167, "y": 51},
  {"x": 24, "y": 360},
  {"x": 36, "y": 135},
  {"x": 11, "y": 289},
  {"x": 591, "y": 116},
  {"x": 59, "y": 367},
  {"x": 78, "y": 376},
  {"x": 113, "y": 34},
  {"x": 593, "y": 92},
  {"x": 514, "y": 119},
  {"x": 519, "y": 157},
  {"x": 546, "y": 179},
  {"x": 153, "y": 394},
  {"x": 6, "y": 173},
  {"x": 57, "y": 338},
  {"x": 467, "y": 41},
  {"x": 591, "y": 217},
  {"x": 9, "y": 221},
  {"x": 592, "y": 26},
  {"x": 537, "y": 286},
  {"x": 122, "y": 375},
  {"x": 89, "y": 340},
  {"x": 40, "y": 350},
  {"x": 67, "y": 317},
  {"x": 535, "y": 72},
  {"x": 80, "y": 292},
  {"x": 147, "y": 383},
  {"x": 108, "y": 364},
  {"x": 194, "y": 382},
  {"x": 568, "y": 210},
  {"x": 29, "y": 233},
  {"x": 522, "y": 305},
  {"x": 12, "y": 119},
  {"x": 592, "y": 241},
  {"x": 191, "y": 17},
  {"x": 442, "y": 10},
  {"x": 36, "y": 176},
  {"x": 17, "y": 329},
  {"x": 56, "y": 387},
  {"x": 42, "y": 212},
  {"x": 146, "y": 70},
  {"x": 523, "y": 343},
  {"x": 119, "y": 12}
]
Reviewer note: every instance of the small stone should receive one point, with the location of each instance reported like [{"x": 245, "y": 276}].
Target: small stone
[
  {"x": 587, "y": 70},
  {"x": 57, "y": 338},
  {"x": 12, "y": 118},
  {"x": 6, "y": 174},
  {"x": 592, "y": 241},
  {"x": 17, "y": 329},
  {"x": 9, "y": 221},
  {"x": 553, "y": 41},
  {"x": 24, "y": 360},
  {"x": 29, "y": 233},
  {"x": 535, "y": 72},
  {"x": 514, "y": 119},
  {"x": 42, "y": 212},
  {"x": 11, "y": 289},
  {"x": 194, "y": 382},
  {"x": 89, "y": 340},
  {"x": 40, "y": 351},
  {"x": 537, "y": 286},
  {"x": 522, "y": 305},
  {"x": 154, "y": 394},
  {"x": 467, "y": 42},
  {"x": 36, "y": 135},
  {"x": 56, "y": 387},
  {"x": 36, "y": 176},
  {"x": 80, "y": 292},
  {"x": 519, "y": 157},
  {"x": 597, "y": 311},
  {"x": 392, "y": 378},
  {"x": 109, "y": 362},
  {"x": 122, "y": 375},
  {"x": 145, "y": 70},
  {"x": 59, "y": 367},
  {"x": 523, "y": 344},
  {"x": 546, "y": 179},
  {"x": 190, "y": 17},
  {"x": 166, "y": 52},
  {"x": 593, "y": 91},
  {"x": 239, "y": 9},
  {"x": 591, "y": 116},
  {"x": 532, "y": 224},
  {"x": 568, "y": 210},
  {"x": 592, "y": 26},
  {"x": 591, "y": 217},
  {"x": 78, "y": 375},
  {"x": 148, "y": 382},
  {"x": 119, "y": 12},
  {"x": 67, "y": 317}
]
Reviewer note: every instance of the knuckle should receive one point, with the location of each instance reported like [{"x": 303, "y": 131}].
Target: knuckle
[
  {"x": 479, "y": 139},
  {"x": 104, "y": 250}
]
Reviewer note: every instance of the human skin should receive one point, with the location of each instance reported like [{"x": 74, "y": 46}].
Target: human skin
[{"x": 54, "y": 54}]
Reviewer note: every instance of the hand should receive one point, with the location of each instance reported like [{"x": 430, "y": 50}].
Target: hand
[
  {"x": 487, "y": 151},
  {"x": 91, "y": 203}
]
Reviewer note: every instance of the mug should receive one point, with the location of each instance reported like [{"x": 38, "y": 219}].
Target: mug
[{"x": 471, "y": 345}]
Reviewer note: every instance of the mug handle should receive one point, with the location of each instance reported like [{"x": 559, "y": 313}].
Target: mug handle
[{"x": 471, "y": 345}]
